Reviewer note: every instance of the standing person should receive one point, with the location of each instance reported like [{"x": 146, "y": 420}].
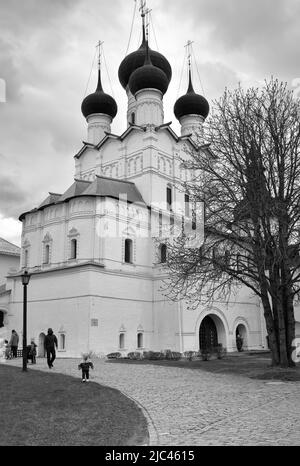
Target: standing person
[
  {"x": 239, "y": 342},
  {"x": 13, "y": 343},
  {"x": 32, "y": 352},
  {"x": 6, "y": 350},
  {"x": 50, "y": 344},
  {"x": 85, "y": 367}
]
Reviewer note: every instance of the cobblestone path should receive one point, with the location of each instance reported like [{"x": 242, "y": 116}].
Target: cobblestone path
[{"x": 194, "y": 407}]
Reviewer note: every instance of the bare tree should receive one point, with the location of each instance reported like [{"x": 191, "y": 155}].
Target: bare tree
[{"x": 250, "y": 183}]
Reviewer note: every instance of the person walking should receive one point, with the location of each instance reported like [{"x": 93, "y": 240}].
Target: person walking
[
  {"x": 50, "y": 344},
  {"x": 13, "y": 343},
  {"x": 85, "y": 366}
]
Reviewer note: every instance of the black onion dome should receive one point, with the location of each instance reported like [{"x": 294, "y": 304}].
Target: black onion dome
[
  {"x": 99, "y": 102},
  {"x": 148, "y": 76},
  {"x": 136, "y": 59},
  {"x": 191, "y": 103}
]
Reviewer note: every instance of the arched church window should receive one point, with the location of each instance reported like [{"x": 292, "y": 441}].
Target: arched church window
[
  {"x": 122, "y": 340},
  {"x": 47, "y": 254},
  {"x": 187, "y": 205},
  {"x": 160, "y": 221},
  {"x": 169, "y": 197},
  {"x": 163, "y": 253},
  {"x": 140, "y": 339},
  {"x": 73, "y": 249},
  {"x": 62, "y": 341},
  {"x": 133, "y": 118},
  {"x": 1, "y": 319},
  {"x": 128, "y": 250}
]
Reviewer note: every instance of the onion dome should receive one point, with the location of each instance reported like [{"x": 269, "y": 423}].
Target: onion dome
[
  {"x": 148, "y": 76},
  {"x": 137, "y": 59},
  {"x": 191, "y": 103},
  {"x": 99, "y": 102}
]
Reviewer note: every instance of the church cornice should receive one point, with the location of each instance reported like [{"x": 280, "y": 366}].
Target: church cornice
[{"x": 109, "y": 136}]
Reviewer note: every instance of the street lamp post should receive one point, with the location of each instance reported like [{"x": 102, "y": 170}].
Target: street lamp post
[{"x": 25, "y": 280}]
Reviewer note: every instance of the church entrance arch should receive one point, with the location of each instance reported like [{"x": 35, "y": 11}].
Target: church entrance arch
[
  {"x": 208, "y": 335},
  {"x": 41, "y": 348},
  {"x": 211, "y": 332}
]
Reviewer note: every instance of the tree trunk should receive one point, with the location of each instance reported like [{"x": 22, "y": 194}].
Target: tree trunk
[
  {"x": 270, "y": 329},
  {"x": 290, "y": 326},
  {"x": 283, "y": 353}
]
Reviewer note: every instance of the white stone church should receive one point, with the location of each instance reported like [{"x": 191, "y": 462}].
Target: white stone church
[{"x": 96, "y": 253}]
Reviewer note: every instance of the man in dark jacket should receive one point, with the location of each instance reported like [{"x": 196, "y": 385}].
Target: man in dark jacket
[
  {"x": 50, "y": 344},
  {"x": 13, "y": 343}
]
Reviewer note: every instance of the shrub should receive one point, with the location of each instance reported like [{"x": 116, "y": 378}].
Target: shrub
[
  {"x": 220, "y": 351},
  {"x": 190, "y": 355},
  {"x": 205, "y": 354},
  {"x": 113, "y": 355},
  {"x": 176, "y": 355},
  {"x": 167, "y": 354},
  {"x": 156, "y": 355},
  {"x": 134, "y": 355}
]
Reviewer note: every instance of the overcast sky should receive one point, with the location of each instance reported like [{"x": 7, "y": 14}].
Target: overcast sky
[{"x": 47, "y": 50}]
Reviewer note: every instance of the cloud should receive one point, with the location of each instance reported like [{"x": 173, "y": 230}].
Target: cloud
[
  {"x": 46, "y": 60},
  {"x": 10, "y": 229},
  {"x": 260, "y": 37},
  {"x": 13, "y": 198}
]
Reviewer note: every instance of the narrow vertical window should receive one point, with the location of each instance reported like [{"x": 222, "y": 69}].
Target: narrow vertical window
[
  {"x": 133, "y": 118},
  {"x": 160, "y": 223},
  {"x": 163, "y": 253},
  {"x": 73, "y": 248},
  {"x": 169, "y": 197},
  {"x": 140, "y": 340},
  {"x": 47, "y": 254},
  {"x": 62, "y": 341},
  {"x": 122, "y": 340},
  {"x": 128, "y": 250},
  {"x": 187, "y": 205}
]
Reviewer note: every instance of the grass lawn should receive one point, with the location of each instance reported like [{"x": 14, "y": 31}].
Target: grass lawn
[
  {"x": 253, "y": 365},
  {"x": 47, "y": 409}
]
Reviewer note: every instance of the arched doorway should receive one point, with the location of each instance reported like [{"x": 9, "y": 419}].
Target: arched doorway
[
  {"x": 208, "y": 335},
  {"x": 41, "y": 347},
  {"x": 242, "y": 332}
]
